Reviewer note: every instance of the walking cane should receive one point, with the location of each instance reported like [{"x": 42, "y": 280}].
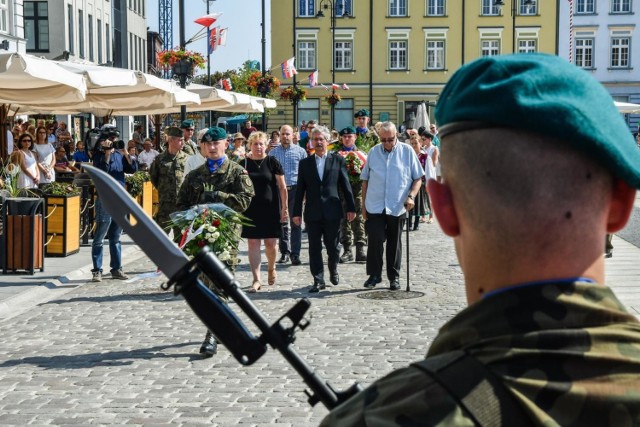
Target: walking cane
[{"x": 408, "y": 224}]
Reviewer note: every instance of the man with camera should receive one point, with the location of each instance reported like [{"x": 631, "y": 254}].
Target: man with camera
[{"x": 110, "y": 156}]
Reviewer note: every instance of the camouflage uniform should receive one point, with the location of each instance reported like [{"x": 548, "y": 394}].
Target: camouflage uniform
[
  {"x": 353, "y": 232},
  {"x": 190, "y": 147},
  {"x": 577, "y": 334},
  {"x": 167, "y": 174}
]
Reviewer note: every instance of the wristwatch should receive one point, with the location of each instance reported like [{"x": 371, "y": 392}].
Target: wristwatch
[{"x": 410, "y": 196}]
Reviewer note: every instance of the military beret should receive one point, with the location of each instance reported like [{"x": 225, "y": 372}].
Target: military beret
[
  {"x": 349, "y": 130},
  {"x": 544, "y": 94},
  {"x": 173, "y": 131},
  {"x": 187, "y": 124},
  {"x": 362, "y": 113},
  {"x": 214, "y": 134}
]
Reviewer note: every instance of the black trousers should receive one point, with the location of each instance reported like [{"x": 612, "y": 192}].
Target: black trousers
[
  {"x": 317, "y": 232},
  {"x": 291, "y": 239},
  {"x": 381, "y": 227}
]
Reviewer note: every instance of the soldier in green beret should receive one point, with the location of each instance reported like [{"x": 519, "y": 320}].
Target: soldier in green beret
[
  {"x": 353, "y": 232},
  {"x": 188, "y": 128},
  {"x": 363, "y": 131},
  {"x": 167, "y": 173},
  {"x": 543, "y": 340},
  {"x": 218, "y": 180}
]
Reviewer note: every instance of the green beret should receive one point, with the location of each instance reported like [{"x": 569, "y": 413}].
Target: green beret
[
  {"x": 214, "y": 134},
  {"x": 173, "y": 131},
  {"x": 187, "y": 124},
  {"x": 544, "y": 94},
  {"x": 362, "y": 113},
  {"x": 349, "y": 130}
]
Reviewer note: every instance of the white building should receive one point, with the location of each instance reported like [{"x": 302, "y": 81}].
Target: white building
[
  {"x": 12, "y": 26},
  {"x": 602, "y": 37}
]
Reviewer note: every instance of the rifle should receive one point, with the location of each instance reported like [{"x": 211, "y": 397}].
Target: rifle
[{"x": 212, "y": 311}]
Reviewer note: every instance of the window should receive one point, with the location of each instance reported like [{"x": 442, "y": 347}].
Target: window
[
  {"x": 489, "y": 8},
  {"x": 435, "y": 7},
  {"x": 585, "y": 6},
  {"x": 343, "y": 52},
  {"x": 397, "y": 7},
  {"x": 620, "y": 52},
  {"x": 4, "y": 16},
  {"x": 397, "y": 54},
  {"x": 306, "y": 55},
  {"x": 343, "y": 7},
  {"x": 343, "y": 114},
  {"x": 528, "y": 9},
  {"x": 490, "y": 47},
  {"x": 435, "y": 54},
  {"x": 107, "y": 43},
  {"x": 526, "y": 46},
  {"x": 99, "y": 41},
  {"x": 306, "y": 8},
  {"x": 36, "y": 26},
  {"x": 584, "y": 53},
  {"x": 80, "y": 33},
  {"x": 70, "y": 29},
  {"x": 620, "y": 6},
  {"x": 309, "y": 110},
  {"x": 90, "y": 17}
]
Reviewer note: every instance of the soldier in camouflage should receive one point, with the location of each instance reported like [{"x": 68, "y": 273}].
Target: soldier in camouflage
[
  {"x": 367, "y": 134},
  {"x": 189, "y": 147},
  {"x": 218, "y": 180},
  {"x": 353, "y": 232},
  {"x": 167, "y": 174},
  {"x": 543, "y": 341}
]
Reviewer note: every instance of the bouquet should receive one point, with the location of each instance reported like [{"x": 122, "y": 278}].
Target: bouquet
[
  {"x": 214, "y": 225},
  {"x": 354, "y": 167}
]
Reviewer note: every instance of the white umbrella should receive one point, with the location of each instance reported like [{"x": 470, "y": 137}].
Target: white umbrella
[
  {"x": 28, "y": 80},
  {"x": 422, "y": 118},
  {"x": 627, "y": 108}
]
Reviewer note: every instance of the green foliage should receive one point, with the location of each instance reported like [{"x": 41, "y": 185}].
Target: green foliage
[
  {"x": 60, "y": 189},
  {"x": 135, "y": 182}
]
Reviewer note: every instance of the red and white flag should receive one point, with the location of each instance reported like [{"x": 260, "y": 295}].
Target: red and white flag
[
  {"x": 225, "y": 84},
  {"x": 313, "y": 79},
  {"x": 208, "y": 20},
  {"x": 213, "y": 39},
  {"x": 288, "y": 69},
  {"x": 344, "y": 86},
  {"x": 222, "y": 36},
  {"x": 334, "y": 86}
]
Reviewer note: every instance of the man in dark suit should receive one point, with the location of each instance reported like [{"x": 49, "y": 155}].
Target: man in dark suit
[{"x": 319, "y": 177}]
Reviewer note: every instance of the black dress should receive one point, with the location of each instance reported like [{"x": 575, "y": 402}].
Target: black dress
[{"x": 264, "y": 210}]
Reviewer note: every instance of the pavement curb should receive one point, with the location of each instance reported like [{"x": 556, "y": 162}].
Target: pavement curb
[{"x": 54, "y": 288}]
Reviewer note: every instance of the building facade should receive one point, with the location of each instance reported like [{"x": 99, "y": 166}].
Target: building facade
[
  {"x": 12, "y": 31},
  {"x": 394, "y": 54},
  {"x": 602, "y": 37}
]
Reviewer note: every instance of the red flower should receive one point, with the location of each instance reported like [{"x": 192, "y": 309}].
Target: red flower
[
  {"x": 202, "y": 243},
  {"x": 215, "y": 222}
]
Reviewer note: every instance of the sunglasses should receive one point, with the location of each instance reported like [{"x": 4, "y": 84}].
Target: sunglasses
[{"x": 387, "y": 139}]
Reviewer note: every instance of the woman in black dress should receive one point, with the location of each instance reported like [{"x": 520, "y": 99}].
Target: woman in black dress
[{"x": 268, "y": 208}]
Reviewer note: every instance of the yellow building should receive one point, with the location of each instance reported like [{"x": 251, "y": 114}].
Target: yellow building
[{"x": 394, "y": 54}]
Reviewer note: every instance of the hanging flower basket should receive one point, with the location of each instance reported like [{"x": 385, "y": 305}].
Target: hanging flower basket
[
  {"x": 181, "y": 62},
  {"x": 263, "y": 85},
  {"x": 333, "y": 98},
  {"x": 293, "y": 94}
]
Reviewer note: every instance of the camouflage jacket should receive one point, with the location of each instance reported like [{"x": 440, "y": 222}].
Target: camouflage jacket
[
  {"x": 190, "y": 147},
  {"x": 167, "y": 174},
  {"x": 569, "y": 353},
  {"x": 230, "y": 185}
]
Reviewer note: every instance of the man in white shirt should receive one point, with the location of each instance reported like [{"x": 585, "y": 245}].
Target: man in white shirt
[{"x": 147, "y": 155}]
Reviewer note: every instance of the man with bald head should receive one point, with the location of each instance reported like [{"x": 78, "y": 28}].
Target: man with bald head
[
  {"x": 543, "y": 341},
  {"x": 289, "y": 156}
]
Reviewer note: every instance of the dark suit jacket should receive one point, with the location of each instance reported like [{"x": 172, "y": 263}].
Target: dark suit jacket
[{"x": 322, "y": 199}]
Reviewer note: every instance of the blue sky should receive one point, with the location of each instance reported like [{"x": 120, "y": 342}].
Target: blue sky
[{"x": 242, "y": 17}]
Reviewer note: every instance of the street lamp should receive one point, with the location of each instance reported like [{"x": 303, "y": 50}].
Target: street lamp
[
  {"x": 326, "y": 4},
  {"x": 514, "y": 3}
]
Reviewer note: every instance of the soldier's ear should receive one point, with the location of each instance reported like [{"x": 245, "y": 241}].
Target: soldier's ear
[
  {"x": 620, "y": 206},
  {"x": 443, "y": 207}
]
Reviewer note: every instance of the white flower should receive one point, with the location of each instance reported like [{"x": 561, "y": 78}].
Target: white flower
[
  {"x": 211, "y": 228},
  {"x": 215, "y": 236},
  {"x": 225, "y": 255}
]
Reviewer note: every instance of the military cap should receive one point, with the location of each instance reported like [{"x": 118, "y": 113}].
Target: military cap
[
  {"x": 362, "y": 113},
  {"x": 544, "y": 94},
  {"x": 214, "y": 134},
  {"x": 187, "y": 124},
  {"x": 173, "y": 131},
  {"x": 349, "y": 130}
]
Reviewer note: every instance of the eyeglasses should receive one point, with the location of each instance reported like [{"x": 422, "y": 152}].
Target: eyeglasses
[{"x": 387, "y": 139}]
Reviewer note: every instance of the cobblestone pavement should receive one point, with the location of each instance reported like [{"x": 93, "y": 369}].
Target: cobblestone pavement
[{"x": 126, "y": 353}]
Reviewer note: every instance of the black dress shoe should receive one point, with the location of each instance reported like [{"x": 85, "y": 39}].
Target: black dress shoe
[
  {"x": 372, "y": 281},
  {"x": 209, "y": 346},
  {"x": 317, "y": 287},
  {"x": 295, "y": 260},
  {"x": 334, "y": 278},
  {"x": 284, "y": 259},
  {"x": 394, "y": 285}
]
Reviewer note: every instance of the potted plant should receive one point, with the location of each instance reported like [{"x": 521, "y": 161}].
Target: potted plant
[
  {"x": 140, "y": 188},
  {"x": 293, "y": 94},
  {"x": 333, "y": 98},
  {"x": 263, "y": 85},
  {"x": 63, "y": 218},
  {"x": 180, "y": 61}
]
